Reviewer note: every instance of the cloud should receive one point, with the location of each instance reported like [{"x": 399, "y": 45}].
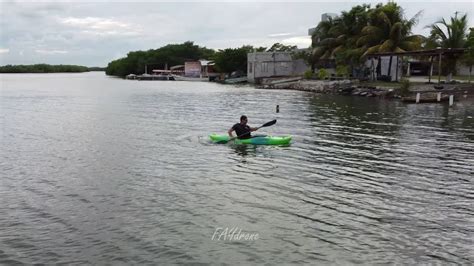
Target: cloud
[
  {"x": 40, "y": 51},
  {"x": 279, "y": 34},
  {"x": 300, "y": 41},
  {"x": 101, "y": 26},
  {"x": 4, "y": 51},
  {"x": 97, "y": 32},
  {"x": 93, "y": 23}
]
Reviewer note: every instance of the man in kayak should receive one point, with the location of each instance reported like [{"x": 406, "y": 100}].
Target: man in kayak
[{"x": 242, "y": 129}]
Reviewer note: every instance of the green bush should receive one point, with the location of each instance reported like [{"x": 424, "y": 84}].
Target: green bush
[
  {"x": 342, "y": 71},
  {"x": 308, "y": 74},
  {"x": 323, "y": 74},
  {"x": 405, "y": 87}
]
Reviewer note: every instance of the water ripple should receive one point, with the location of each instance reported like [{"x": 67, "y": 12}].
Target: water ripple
[{"x": 121, "y": 172}]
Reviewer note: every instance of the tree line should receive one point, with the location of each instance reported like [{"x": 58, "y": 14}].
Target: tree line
[
  {"x": 225, "y": 60},
  {"x": 346, "y": 40},
  {"x": 351, "y": 37},
  {"x": 45, "y": 68}
]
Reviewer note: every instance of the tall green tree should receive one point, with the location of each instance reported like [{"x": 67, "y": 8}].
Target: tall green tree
[
  {"x": 172, "y": 54},
  {"x": 336, "y": 38},
  {"x": 347, "y": 30},
  {"x": 278, "y": 47},
  {"x": 449, "y": 34},
  {"x": 233, "y": 59},
  {"x": 322, "y": 43},
  {"x": 468, "y": 57},
  {"x": 389, "y": 31}
]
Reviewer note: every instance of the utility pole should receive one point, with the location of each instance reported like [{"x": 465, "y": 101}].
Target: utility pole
[
  {"x": 274, "y": 66},
  {"x": 439, "y": 68}
]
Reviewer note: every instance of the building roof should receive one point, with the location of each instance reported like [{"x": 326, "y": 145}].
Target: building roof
[
  {"x": 271, "y": 52},
  {"x": 176, "y": 67},
  {"x": 428, "y": 52},
  {"x": 203, "y": 62},
  {"x": 206, "y": 62}
]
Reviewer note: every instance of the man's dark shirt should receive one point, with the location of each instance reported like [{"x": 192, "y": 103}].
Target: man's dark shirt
[{"x": 243, "y": 132}]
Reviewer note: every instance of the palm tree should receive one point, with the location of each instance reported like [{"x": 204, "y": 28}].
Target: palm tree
[
  {"x": 449, "y": 35},
  {"x": 468, "y": 57},
  {"x": 323, "y": 41},
  {"x": 389, "y": 31},
  {"x": 347, "y": 30},
  {"x": 336, "y": 38}
]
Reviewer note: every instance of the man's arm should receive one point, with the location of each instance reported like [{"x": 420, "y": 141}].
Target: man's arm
[{"x": 230, "y": 132}]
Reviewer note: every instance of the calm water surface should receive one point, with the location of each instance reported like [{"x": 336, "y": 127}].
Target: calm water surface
[{"x": 102, "y": 170}]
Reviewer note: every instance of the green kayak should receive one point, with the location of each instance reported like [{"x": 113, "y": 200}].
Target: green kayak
[{"x": 257, "y": 140}]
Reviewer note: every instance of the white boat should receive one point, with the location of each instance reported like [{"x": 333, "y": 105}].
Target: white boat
[
  {"x": 235, "y": 80},
  {"x": 183, "y": 78}
]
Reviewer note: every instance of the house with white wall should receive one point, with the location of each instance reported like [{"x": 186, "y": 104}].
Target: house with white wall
[{"x": 273, "y": 64}]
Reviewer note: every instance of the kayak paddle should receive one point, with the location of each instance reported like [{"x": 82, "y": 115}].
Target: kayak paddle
[{"x": 269, "y": 123}]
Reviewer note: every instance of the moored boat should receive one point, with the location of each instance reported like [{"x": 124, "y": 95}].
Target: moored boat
[
  {"x": 235, "y": 80},
  {"x": 183, "y": 78}
]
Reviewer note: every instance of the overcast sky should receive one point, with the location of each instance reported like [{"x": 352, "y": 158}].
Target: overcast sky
[{"x": 93, "y": 33}]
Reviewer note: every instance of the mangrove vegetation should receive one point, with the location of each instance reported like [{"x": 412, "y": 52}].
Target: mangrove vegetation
[{"x": 45, "y": 68}]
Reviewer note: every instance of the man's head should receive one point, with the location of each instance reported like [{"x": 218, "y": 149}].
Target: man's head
[{"x": 243, "y": 120}]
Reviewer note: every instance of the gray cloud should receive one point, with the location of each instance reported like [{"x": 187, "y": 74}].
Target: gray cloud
[{"x": 94, "y": 33}]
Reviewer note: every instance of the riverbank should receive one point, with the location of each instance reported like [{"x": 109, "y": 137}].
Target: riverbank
[{"x": 372, "y": 89}]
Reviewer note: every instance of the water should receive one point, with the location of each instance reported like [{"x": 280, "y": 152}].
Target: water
[{"x": 102, "y": 170}]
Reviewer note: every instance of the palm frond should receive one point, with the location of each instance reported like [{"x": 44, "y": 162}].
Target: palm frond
[
  {"x": 415, "y": 38},
  {"x": 328, "y": 42},
  {"x": 438, "y": 32},
  {"x": 318, "y": 52},
  {"x": 383, "y": 16},
  {"x": 396, "y": 32},
  {"x": 326, "y": 55},
  {"x": 341, "y": 38},
  {"x": 337, "y": 50},
  {"x": 409, "y": 46},
  {"x": 414, "y": 20},
  {"x": 387, "y": 46},
  {"x": 399, "y": 50},
  {"x": 371, "y": 50},
  {"x": 371, "y": 30},
  {"x": 368, "y": 40}
]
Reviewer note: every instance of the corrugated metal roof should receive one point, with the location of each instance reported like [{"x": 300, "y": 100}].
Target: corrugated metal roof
[
  {"x": 423, "y": 52},
  {"x": 206, "y": 62}
]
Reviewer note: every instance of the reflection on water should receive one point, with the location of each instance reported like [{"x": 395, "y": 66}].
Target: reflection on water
[
  {"x": 245, "y": 150},
  {"x": 99, "y": 170}
]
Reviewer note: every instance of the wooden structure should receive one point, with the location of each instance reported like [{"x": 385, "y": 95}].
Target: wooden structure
[
  {"x": 429, "y": 97},
  {"x": 432, "y": 53}
]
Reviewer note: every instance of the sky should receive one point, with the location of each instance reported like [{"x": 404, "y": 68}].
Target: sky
[{"x": 93, "y": 33}]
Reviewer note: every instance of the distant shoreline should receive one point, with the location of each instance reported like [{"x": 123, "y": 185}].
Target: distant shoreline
[
  {"x": 70, "y": 72},
  {"x": 45, "y": 68}
]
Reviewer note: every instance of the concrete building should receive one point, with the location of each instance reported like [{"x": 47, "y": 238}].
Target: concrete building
[
  {"x": 463, "y": 69},
  {"x": 273, "y": 64},
  {"x": 327, "y": 16},
  {"x": 324, "y": 17},
  {"x": 200, "y": 68}
]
